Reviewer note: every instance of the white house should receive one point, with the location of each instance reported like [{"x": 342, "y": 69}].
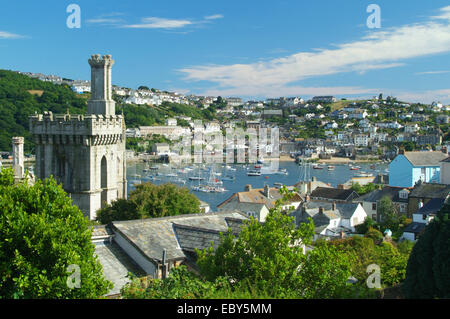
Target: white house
[
  {"x": 331, "y": 219},
  {"x": 422, "y": 218}
]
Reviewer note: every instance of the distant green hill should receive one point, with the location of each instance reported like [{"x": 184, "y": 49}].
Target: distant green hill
[
  {"x": 17, "y": 104},
  {"x": 22, "y": 96}
]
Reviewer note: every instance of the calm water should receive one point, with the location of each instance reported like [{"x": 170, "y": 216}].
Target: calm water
[{"x": 296, "y": 173}]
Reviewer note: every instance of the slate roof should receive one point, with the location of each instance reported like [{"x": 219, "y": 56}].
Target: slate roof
[
  {"x": 430, "y": 190},
  {"x": 425, "y": 158},
  {"x": 256, "y": 196},
  {"x": 116, "y": 266},
  {"x": 378, "y": 194},
  {"x": 415, "y": 228},
  {"x": 151, "y": 236},
  {"x": 334, "y": 193},
  {"x": 432, "y": 206},
  {"x": 344, "y": 210}
]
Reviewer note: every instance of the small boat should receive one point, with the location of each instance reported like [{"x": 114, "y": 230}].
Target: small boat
[
  {"x": 229, "y": 178},
  {"x": 196, "y": 178},
  {"x": 258, "y": 166},
  {"x": 171, "y": 175},
  {"x": 331, "y": 168},
  {"x": 254, "y": 172},
  {"x": 354, "y": 168},
  {"x": 317, "y": 167},
  {"x": 282, "y": 172}
]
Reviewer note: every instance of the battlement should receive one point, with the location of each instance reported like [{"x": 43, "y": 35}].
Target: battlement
[
  {"x": 80, "y": 125},
  {"x": 100, "y": 62}
]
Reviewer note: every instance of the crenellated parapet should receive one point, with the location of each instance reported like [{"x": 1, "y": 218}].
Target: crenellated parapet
[
  {"x": 97, "y": 61},
  {"x": 91, "y": 129}
]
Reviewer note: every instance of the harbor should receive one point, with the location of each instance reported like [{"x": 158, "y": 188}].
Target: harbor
[{"x": 214, "y": 183}]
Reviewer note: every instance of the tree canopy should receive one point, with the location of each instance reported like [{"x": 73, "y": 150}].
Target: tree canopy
[
  {"x": 22, "y": 96},
  {"x": 41, "y": 235},
  {"x": 148, "y": 201},
  {"x": 428, "y": 270}
]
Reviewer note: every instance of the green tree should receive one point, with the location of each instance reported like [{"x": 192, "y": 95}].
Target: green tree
[
  {"x": 388, "y": 214},
  {"x": 149, "y": 200},
  {"x": 41, "y": 234},
  {"x": 428, "y": 270},
  {"x": 270, "y": 257},
  {"x": 364, "y": 227}
]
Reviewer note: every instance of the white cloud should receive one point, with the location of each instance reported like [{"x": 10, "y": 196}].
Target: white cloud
[
  {"x": 105, "y": 21},
  {"x": 160, "y": 23},
  {"x": 214, "y": 17},
  {"x": 428, "y": 96},
  {"x": 9, "y": 35},
  {"x": 377, "y": 50},
  {"x": 432, "y": 72}
]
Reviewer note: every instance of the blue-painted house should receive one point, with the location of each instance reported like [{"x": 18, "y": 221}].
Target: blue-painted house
[{"x": 410, "y": 167}]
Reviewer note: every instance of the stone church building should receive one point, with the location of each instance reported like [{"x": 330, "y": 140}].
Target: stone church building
[{"x": 85, "y": 153}]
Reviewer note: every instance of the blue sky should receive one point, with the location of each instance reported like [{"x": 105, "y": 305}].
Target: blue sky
[{"x": 252, "y": 49}]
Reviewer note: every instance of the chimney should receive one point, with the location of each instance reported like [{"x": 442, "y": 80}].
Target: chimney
[
  {"x": 341, "y": 186},
  {"x": 267, "y": 191},
  {"x": 444, "y": 149},
  {"x": 342, "y": 234},
  {"x": 320, "y": 210},
  {"x": 401, "y": 151},
  {"x": 333, "y": 206},
  {"x": 307, "y": 198},
  {"x": 248, "y": 188}
]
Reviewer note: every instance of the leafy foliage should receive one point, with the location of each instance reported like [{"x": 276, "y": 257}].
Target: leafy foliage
[
  {"x": 149, "y": 200},
  {"x": 365, "y": 189},
  {"x": 17, "y": 104},
  {"x": 428, "y": 271},
  {"x": 270, "y": 256},
  {"x": 365, "y": 251},
  {"x": 41, "y": 234},
  {"x": 388, "y": 214}
]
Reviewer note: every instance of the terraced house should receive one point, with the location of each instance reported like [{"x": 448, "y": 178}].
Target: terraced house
[{"x": 409, "y": 167}]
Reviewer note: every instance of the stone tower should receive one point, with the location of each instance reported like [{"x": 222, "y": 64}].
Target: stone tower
[
  {"x": 18, "y": 161},
  {"x": 86, "y": 153}
]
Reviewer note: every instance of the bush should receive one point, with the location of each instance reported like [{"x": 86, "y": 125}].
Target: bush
[
  {"x": 374, "y": 234},
  {"x": 41, "y": 234},
  {"x": 428, "y": 270}
]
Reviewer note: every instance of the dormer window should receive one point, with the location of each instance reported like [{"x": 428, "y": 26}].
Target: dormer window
[{"x": 403, "y": 194}]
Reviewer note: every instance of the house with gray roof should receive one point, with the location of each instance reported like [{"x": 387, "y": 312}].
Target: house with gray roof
[
  {"x": 257, "y": 202},
  {"x": 422, "y": 218},
  {"x": 333, "y": 194},
  {"x": 153, "y": 246},
  {"x": 408, "y": 168},
  {"x": 423, "y": 193},
  {"x": 398, "y": 195},
  {"x": 330, "y": 219}
]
